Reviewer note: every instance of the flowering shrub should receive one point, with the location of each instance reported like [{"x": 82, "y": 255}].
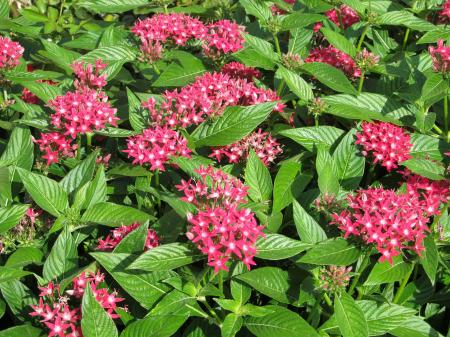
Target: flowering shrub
[{"x": 224, "y": 168}]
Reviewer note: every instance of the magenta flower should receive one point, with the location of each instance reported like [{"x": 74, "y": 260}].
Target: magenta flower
[
  {"x": 88, "y": 75},
  {"x": 335, "y": 58},
  {"x": 224, "y": 37},
  {"x": 10, "y": 53},
  {"x": 240, "y": 71},
  {"x": 55, "y": 145},
  {"x": 347, "y": 15},
  {"x": 440, "y": 57}
]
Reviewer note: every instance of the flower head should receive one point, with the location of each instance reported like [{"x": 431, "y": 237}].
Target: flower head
[
  {"x": 366, "y": 60},
  {"x": 344, "y": 14},
  {"x": 444, "y": 13},
  {"x": 440, "y": 57},
  {"x": 335, "y": 58},
  {"x": 55, "y": 146},
  {"x": 10, "y": 53},
  {"x": 334, "y": 278},
  {"x": 89, "y": 75},
  {"x": 224, "y": 37}
]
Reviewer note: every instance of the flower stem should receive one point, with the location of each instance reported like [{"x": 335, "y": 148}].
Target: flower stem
[
  {"x": 405, "y": 39},
  {"x": 156, "y": 69},
  {"x": 220, "y": 281},
  {"x": 327, "y": 300},
  {"x": 361, "y": 269},
  {"x": 316, "y": 120},
  {"x": 361, "y": 39},
  {"x": 446, "y": 115},
  {"x": 157, "y": 186},
  {"x": 277, "y": 44},
  {"x": 213, "y": 313},
  {"x": 403, "y": 285},
  {"x": 89, "y": 136},
  {"x": 361, "y": 82},
  {"x": 78, "y": 146}
]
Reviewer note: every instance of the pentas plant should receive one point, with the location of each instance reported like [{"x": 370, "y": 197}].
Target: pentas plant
[{"x": 230, "y": 168}]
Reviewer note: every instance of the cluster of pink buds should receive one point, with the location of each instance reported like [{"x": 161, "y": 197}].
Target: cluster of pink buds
[
  {"x": 239, "y": 70},
  {"x": 386, "y": 143},
  {"x": 208, "y": 96},
  {"x": 366, "y": 60},
  {"x": 89, "y": 75},
  {"x": 155, "y": 146},
  {"x": 224, "y": 37},
  {"x": 10, "y": 53},
  {"x": 266, "y": 147},
  {"x": 220, "y": 228},
  {"x": 344, "y": 14},
  {"x": 334, "y": 278},
  {"x": 440, "y": 57},
  {"x": 116, "y": 236},
  {"x": 55, "y": 146},
  {"x": 61, "y": 313},
  {"x": 335, "y": 58},
  {"x": 444, "y": 13},
  {"x": 393, "y": 221}
]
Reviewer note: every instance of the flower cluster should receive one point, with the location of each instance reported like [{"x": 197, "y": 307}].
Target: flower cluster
[
  {"x": 155, "y": 146},
  {"x": 220, "y": 227},
  {"x": 88, "y": 75},
  {"x": 366, "y": 60},
  {"x": 344, "y": 14},
  {"x": 393, "y": 221},
  {"x": 444, "y": 13},
  {"x": 55, "y": 146},
  {"x": 292, "y": 61},
  {"x": 334, "y": 278},
  {"x": 61, "y": 313},
  {"x": 10, "y": 53},
  {"x": 207, "y": 96},
  {"x": 239, "y": 70},
  {"x": 117, "y": 235},
  {"x": 261, "y": 142},
  {"x": 335, "y": 58},
  {"x": 223, "y": 37},
  {"x": 387, "y": 143},
  {"x": 440, "y": 57}
]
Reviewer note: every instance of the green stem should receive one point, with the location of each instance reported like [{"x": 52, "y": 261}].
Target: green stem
[
  {"x": 220, "y": 281},
  {"x": 361, "y": 82},
  {"x": 79, "y": 147},
  {"x": 277, "y": 44},
  {"x": 405, "y": 39},
  {"x": 157, "y": 186},
  {"x": 403, "y": 285},
  {"x": 61, "y": 8},
  {"x": 316, "y": 120},
  {"x": 165, "y": 10},
  {"x": 213, "y": 313},
  {"x": 437, "y": 129},
  {"x": 327, "y": 300},
  {"x": 361, "y": 39},
  {"x": 281, "y": 87},
  {"x": 446, "y": 115},
  {"x": 361, "y": 269},
  {"x": 156, "y": 69},
  {"x": 89, "y": 136}
]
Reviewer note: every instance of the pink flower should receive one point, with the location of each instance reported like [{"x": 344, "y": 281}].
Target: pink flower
[
  {"x": 444, "y": 14},
  {"x": 117, "y": 235},
  {"x": 10, "y": 53},
  {"x": 335, "y": 58},
  {"x": 57, "y": 328},
  {"x": 240, "y": 71},
  {"x": 155, "y": 146},
  {"x": 221, "y": 228},
  {"x": 32, "y": 215},
  {"x": 55, "y": 146},
  {"x": 89, "y": 75},
  {"x": 347, "y": 15},
  {"x": 224, "y": 37},
  {"x": 385, "y": 142},
  {"x": 262, "y": 143},
  {"x": 440, "y": 57}
]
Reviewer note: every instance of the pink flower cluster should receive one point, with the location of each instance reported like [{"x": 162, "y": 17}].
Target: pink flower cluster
[
  {"x": 393, "y": 221},
  {"x": 221, "y": 228},
  {"x": 239, "y": 70},
  {"x": 117, "y": 235},
  {"x": 61, "y": 313},
  {"x": 10, "y": 53},
  {"x": 444, "y": 13},
  {"x": 88, "y": 75},
  {"x": 223, "y": 37},
  {"x": 348, "y": 16},
  {"x": 266, "y": 147},
  {"x": 440, "y": 57},
  {"x": 335, "y": 58},
  {"x": 208, "y": 96},
  {"x": 155, "y": 146},
  {"x": 55, "y": 145},
  {"x": 387, "y": 143}
]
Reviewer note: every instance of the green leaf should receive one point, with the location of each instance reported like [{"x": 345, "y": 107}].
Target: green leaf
[
  {"x": 273, "y": 282},
  {"x": 10, "y": 216},
  {"x": 333, "y": 251},
  {"x": 339, "y": 41},
  {"x": 299, "y": 19},
  {"x": 327, "y": 173},
  {"x": 47, "y": 193},
  {"x": 424, "y": 146},
  {"x": 384, "y": 272},
  {"x": 383, "y": 318},
  {"x": 282, "y": 191},
  {"x": 407, "y": 19},
  {"x": 415, "y": 327},
  {"x": 145, "y": 287},
  {"x": 182, "y": 71},
  {"x": 115, "y": 132},
  {"x": 307, "y": 228},
  {"x": 235, "y": 123},
  {"x": 278, "y": 247},
  {"x": 21, "y": 331},
  {"x": 434, "y": 89},
  {"x": 44, "y": 91},
  {"x": 429, "y": 258},
  {"x": 281, "y": 323},
  {"x": 62, "y": 259},
  {"x": 299, "y": 39},
  {"x": 349, "y": 163},
  {"x": 425, "y": 168},
  {"x": 258, "y": 179},
  {"x": 80, "y": 174},
  {"x": 4, "y": 9},
  {"x": 330, "y": 76},
  {"x": 312, "y": 136},
  {"x": 9, "y": 274},
  {"x": 349, "y": 317},
  {"x": 96, "y": 321},
  {"x": 61, "y": 56},
  {"x": 253, "y": 58},
  {"x": 134, "y": 242},
  {"x": 137, "y": 119},
  {"x": 257, "y": 8},
  {"x": 264, "y": 48},
  {"x": 155, "y": 326},
  {"x": 19, "y": 150},
  {"x": 111, "y": 6},
  {"x": 167, "y": 257},
  {"x": 24, "y": 256},
  {"x": 19, "y": 297},
  {"x": 96, "y": 191},
  {"x": 109, "y": 214},
  {"x": 297, "y": 84},
  {"x": 239, "y": 290},
  {"x": 231, "y": 325}
]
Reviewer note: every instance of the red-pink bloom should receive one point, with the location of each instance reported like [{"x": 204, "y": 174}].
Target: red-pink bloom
[
  {"x": 55, "y": 146},
  {"x": 29, "y": 97},
  {"x": 10, "y": 53},
  {"x": 207, "y": 96},
  {"x": 335, "y": 58},
  {"x": 117, "y": 235},
  {"x": 239, "y": 70},
  {"x": 221, "y": 228},
  {"x": 440, "y": 57},
  {"x": 347, "y": 15},
  {"x": 32, "y": 215},
  {"x": 151, "y": 52},
  {"x": 266, "y": 148},
  {"x": 444, "y": 13},
  {"x": 224, "y": 37},
  {"x": 155, "y": 146},
  {"x": 89, "y": 75},
  {"x": 386, "y": 143}
]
